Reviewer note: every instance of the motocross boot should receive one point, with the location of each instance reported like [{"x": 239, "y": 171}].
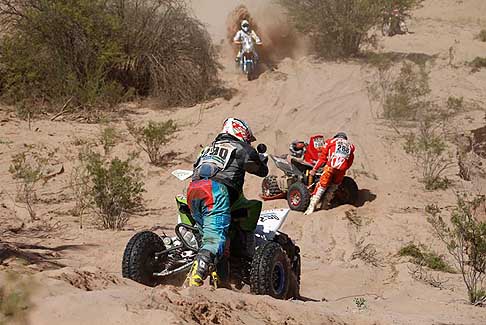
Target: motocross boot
[
  {"x": 314, "y": 200},
  {"x": 200, "y": 268}
]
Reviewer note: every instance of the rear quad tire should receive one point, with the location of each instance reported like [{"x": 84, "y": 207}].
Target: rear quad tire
[
  {"x": 298, "y": 197},
  {"x": 271, "y": 272},
  {"x": 347, "y": 192},
  {"x": 270, "y": 186},
  {"x": 139, "y": 261}
]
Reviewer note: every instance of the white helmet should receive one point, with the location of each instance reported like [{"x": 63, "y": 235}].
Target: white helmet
[
  {"x": 245, "y": 25},
  {"x": 239, "y": 129}
]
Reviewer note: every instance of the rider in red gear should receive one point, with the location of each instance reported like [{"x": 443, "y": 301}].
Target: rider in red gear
[
  {"x": 310, "y": 151},
  {"x": 337, "y": 155}
]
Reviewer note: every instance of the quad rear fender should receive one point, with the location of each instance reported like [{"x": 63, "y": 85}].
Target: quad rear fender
[
  {"x": 285, "y": 166},
  {"x": 269, "y": 222}
]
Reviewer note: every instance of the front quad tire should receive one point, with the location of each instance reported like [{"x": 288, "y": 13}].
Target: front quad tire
[
  {"x": 139, "y": 261},
  {"x": 271, "y": 272},
  {"x": 298, "y": 197}
]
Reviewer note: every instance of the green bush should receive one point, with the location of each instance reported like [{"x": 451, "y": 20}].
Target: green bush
[
  {"x": 408, "y": 93},
  {"x": 429, "y": 150},
  {"x": 455, "y": 104},
  {"x": 337, "y": 28},
  {"x": 15, "y": 299},
  {"x": 421, "y": 256},
  {"x": 28, "y": 168},
  {"x": 109, "y": 137},
  {"x": 114, "y": 188},
  {"x": 465, "y": 239},
  {"x": 152, "y": 138},
  {"x": 477, "y": 64},
  {"x": 482, "y": 35},
  {"x": 99, "y": 52}
]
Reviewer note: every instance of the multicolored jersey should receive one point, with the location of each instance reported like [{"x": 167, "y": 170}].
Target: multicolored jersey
[{"x": 227, "y": 160}]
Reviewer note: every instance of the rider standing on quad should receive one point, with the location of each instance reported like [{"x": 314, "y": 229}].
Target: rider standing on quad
[
  {"x": 217, "y": 184},
  {"x": 245, "y": 32},
  {"x": 338, "y": 155}
]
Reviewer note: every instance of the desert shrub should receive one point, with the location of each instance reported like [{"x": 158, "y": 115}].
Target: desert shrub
[
  {"x": 170, "y": 54},
  {"x": 478, "y": 63},
  {"x": 421, "y": 256},
  {"x": 482, "y": 35},
  {"x": 408, "y": 93},
  {"x": 152, "y": 138},
  {"x": 57, "y": 49},
  {"x": 465, "y": 239},
  {"x": 339, "y": 27},
  {"x": 28, "y": 168},
  {"x": 98, "y": 53},
  {"x": 455, "y": 104},
  {"x": 14, "y": 299},
  {"x": 114, "y": 188},
  {"x": 430, "y": 153},
  {"x": 109, "y": 137}
]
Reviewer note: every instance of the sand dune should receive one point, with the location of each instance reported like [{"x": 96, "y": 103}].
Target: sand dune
[{"x": 301, "y": 97}]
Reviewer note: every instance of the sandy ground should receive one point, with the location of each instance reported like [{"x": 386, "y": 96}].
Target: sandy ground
[{"x": 76, "y": 271}]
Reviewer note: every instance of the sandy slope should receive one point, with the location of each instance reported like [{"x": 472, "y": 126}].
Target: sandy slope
[{"x": 81, "y": 281}]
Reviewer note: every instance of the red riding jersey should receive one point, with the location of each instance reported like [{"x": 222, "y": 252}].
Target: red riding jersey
[
  {"x": 336, "y": 153},
  {"x": 313, "y": 150}
]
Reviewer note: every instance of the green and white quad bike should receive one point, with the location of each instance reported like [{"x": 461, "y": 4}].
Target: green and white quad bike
[{"x": 274, "y": 268}]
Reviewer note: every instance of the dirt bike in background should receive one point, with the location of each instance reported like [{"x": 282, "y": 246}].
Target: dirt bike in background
[
  {"x": 394, "y": 23},
  {"x": 296, "y": 185},
  {"x": 274, "y": 268},
  {"x": 248, "y": 58}
]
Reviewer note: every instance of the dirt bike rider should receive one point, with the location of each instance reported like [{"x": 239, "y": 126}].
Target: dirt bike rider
[
  {"x": 246, "y": 32},
  {"x": 338, "y": 155},
  {"x": 394, "y": 16},
  {"x": 217, "y": 186}
]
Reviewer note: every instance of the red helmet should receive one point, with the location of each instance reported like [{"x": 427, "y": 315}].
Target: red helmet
[{"x": 239, "y": 129}]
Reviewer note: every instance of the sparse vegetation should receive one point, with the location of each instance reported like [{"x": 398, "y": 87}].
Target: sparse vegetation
[
  {"x": 408, "y": 93},
  {"x": 424, "y": 257},
  {"x": 455, "y": 104},
  {"x": 79, "y": 183},
  {"x": 465, "y": 239},
  {"x": 2, "y": 141},
  {"x": 113, "y": 188},
  {"x": 353, "y": 218},
  {"x": 477, "y": 64},
  {"x": 360, "y": 303},
  {"x": 420, "y": 273},
  {"x": 14, "y": 299},
  {"x": 27, "y": 168},
  {"x": 152, "y": 138},
  {"x": 339, "y": 27},
  {"x": 406, "y": 97},
  {"x": 94, "y": 53},
  {"x": 367, "y": 253},
  {"x": 109, "y": 137},
  {"x": 430, "y": 153},
  {"x": 482, "y": 35}
]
